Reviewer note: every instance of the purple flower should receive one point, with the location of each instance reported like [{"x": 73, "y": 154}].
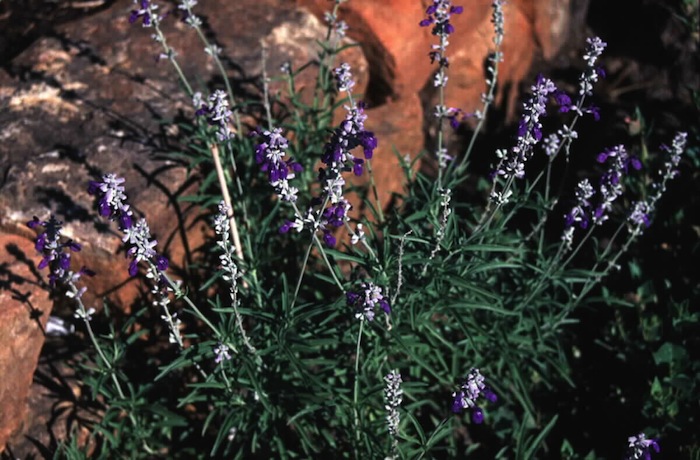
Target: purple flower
[
  {"x": 675, "y": 151},
  {"x": 639, "y": 447},
  {"x": 563, "y": 101},
  {"x": 269, "y": 154},
  {"x": 55, "y": 252},
  {"x": 112, "y": 200},
  {"x": 594, "y": 49},
  {"x": 610, "y": 182},
  {"x": 366, "y": 300},
  {"x": 529, "y": 130},
  {"x": 137, "y": 236},
  {"x": 217, "y": 113},
  {"x": 337, "y": 159},
  {"x": 439, "y": 17},
  {"x": 146, "y": 12},
  {"x": 471, "y": 390}
]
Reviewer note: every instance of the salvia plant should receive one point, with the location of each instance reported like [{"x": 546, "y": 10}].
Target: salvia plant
[{"x": 422, "y": 330}]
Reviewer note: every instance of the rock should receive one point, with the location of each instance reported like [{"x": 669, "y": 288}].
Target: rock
[
  {"x": 396, "y": 48},
  {"x": 25, "y": 307}
]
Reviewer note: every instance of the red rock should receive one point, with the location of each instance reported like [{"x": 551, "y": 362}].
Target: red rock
[
  {"x": 396, "y": 50},
  {"x": 24, "y": 310}
]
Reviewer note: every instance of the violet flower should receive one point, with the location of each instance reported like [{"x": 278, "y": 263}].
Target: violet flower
[
  {"x": 146, "y": 12},
  {"x": 529, "y": 130},
  {"x": 639, "y": 447},
  {"x": 439, "y": 17},
  {"x": 366, "y": 300},
  {"x": 269, "y": 154},
  {"x": 611, "y": 181},
  {"x": 56, "y": 254},
  {"x": 217, "y": 113},
  {"x": 471, "y": 390},
  {"x": 337, "y": 158},
  {"x": 112, "y": 204},
  {"x": 594, "y": 49}
]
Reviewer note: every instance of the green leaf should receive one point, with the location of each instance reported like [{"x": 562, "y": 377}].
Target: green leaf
[{"x": 670, "y": 353}]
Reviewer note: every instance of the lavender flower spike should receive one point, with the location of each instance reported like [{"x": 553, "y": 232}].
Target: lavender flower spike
[
  {"x": 590, "y": 75},
  {"x": 529, "y": 130},
  {"x": 217, "y": 113},
  {"x": 269, "y": 154},
  {"x": 56, "y": 254},
  {"x": 393, "y": 396},
  {"x": 112, "y": 204},
  {"x": 639, "y": 447}
]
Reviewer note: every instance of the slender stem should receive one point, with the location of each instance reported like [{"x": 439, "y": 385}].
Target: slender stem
[
  {"x": 227, "y": 199},
  {"x": 83, "y": 313},
  {"x": 373, "y": 185},
  {"x": 303, "y": 270},
  {"x": 356, "y": 390},
  {"x": 319, "y": 245}
]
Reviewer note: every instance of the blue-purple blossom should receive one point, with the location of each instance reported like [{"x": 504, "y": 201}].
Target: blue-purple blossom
[
  {"x": 467, "y": 397},
  {"x": 366, "y": 300},
  {"x": 594, "y": 49},
  {"x": 112, "y": 200},
  {"x": 639, "y": 447},
  {"x": 55, "y": 251},
  {"x": 675, "y": 151},
  {"x": 337, "y": 159},
  {"x": 439, "y": 17},
  {"x": 137, "y": 236},
  {"x": 639, "y": 216},
  {"x": 270, "y": 154},
  {"x": 529, "y": 130},
  {"x": 146, "y": 12},
  {"x": 611, "y": 181},
  {"x": 217, "y": 114}
]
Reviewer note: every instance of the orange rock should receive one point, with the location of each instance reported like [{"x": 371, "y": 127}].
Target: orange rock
[
  {"x": 396, "y": 50},
  {"x": 24, "y": 310}
]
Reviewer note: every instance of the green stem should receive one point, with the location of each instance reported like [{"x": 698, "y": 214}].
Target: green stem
[{"x": 356, "y": 390}]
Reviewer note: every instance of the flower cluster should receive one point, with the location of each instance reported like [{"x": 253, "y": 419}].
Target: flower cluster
[
  {"x": 137, "y": 236},
  {"x": 439, "y": 14},
  {"x": 269, "y": 154},
  {"x": 366, "y": 300},
  {"x": 190, "y": 18},
  {"x": 55, "y": 253},
  {"x": 146, "y": 12},
  {"x": 529, "y": 130},
  {"x": 590, "y": 75},
  {"x": 675, "y": 151},
  {"x": 610, "y": 189},
  {"x": 337, "y": 158},
  {"x": 639, "y": 447},
  {"x": 216, "y": 112},
  {"x": 611, "y": 181},
  {"x": 393, "y": 396},
  {"x": 339, "y": 27},
  {"x": 470, "y": 391},
  {"x": 639, "y": 217}
]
